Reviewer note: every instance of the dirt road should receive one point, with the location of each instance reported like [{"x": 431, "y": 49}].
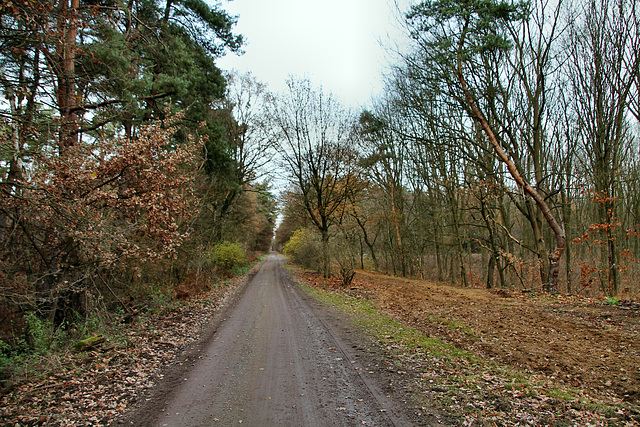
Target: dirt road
[{"x": 277, "y": 361}]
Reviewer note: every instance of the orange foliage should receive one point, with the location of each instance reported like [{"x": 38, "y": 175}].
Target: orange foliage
[{"x": 93, "y": 207}]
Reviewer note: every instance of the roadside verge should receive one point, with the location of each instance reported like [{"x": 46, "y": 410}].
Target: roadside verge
[
  {"x": 441, "y": 375},
  {"x": 97, "y": 387}
]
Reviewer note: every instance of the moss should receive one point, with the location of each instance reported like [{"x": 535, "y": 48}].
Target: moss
[{"x": 90, "y": 343}]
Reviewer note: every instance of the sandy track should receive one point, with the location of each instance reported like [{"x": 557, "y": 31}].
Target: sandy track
[{"x": 273, "y": 361}]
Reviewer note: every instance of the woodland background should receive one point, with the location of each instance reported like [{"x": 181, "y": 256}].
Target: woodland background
[
  {"x": 126, "y": 180},
  {"x": 504, "y": 153}
]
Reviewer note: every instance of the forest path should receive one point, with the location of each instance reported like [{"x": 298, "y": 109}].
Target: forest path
[{"x": 275, "y": 360}]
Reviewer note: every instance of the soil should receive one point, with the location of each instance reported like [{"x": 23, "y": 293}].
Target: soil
[
  {"x": 276, "y": 358},
  {"x": 585, "y": 345},
  {"x": 263, "y": 352}
]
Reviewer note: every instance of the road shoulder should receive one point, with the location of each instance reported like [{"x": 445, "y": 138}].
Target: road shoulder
[{"x": 393, "y": 388}]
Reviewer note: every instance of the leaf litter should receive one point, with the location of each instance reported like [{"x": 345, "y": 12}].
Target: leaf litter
[
  {"x": 486, "y": 358},
  {"x": 500, "y": 357},
  {"x": 95, "y": 388}
]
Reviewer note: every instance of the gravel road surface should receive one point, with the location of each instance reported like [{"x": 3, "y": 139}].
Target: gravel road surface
[{"x": 274, "y": 361}]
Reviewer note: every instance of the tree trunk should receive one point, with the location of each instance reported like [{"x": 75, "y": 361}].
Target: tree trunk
[
  {"x": 494, "y": 255},
  {"x": 566, "y": 210},
  {"x": 538, "y": 238},
  {"x": 397, "y": 230},
  {"x": 614, "y": 279},
  {"x": 490, "y": 271},
  {"x": 66, "y": 54},
  {"x": 368, "y": 242},
  {"x": 326, "y": 267},
  {"x": 438, "y": 254},
  {"x": 453, "y": 204},
  {"x": 391, "y": 256},
  {"x": 560, "y": 241}
]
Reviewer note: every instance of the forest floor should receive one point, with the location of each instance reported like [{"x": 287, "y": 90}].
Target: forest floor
[
  {"x": 498, "y": 357},
  {"x": 96, "y": 386},
  {"x": 468, "y": 356}
]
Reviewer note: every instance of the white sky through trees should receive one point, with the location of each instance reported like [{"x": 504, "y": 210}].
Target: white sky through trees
[{"x": 335, "y": 43}]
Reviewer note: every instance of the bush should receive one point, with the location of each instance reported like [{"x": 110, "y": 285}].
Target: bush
[
  {"x": 304, "y": 248},
  {"x": 227, "y": 256},
  {"x": 347, "y": 274}
]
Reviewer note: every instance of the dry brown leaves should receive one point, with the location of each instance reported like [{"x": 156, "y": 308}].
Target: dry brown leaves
[
  {"x": 94, "y": 388},
  {"x": 563, "y": 360}
]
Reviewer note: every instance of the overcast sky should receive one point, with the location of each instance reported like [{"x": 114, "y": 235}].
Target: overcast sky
[{"x": 336, "y": 43}]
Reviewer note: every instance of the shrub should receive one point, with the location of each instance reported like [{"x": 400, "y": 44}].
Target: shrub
[
  {"x": 304, "y": 248},
  {"x": 347, "y": 274},
  {"x": 228, "y": 255}
]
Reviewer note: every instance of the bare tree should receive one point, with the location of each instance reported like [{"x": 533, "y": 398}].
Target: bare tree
[
  {"x": 247, "y": 99},
  {"x": 242, "y": 114},
  {"x": 384, "y": 157},
  {"x": 314, "y": 136},
  {"x": 459, "y": 41},
  {"x": 604, "y": 52}
]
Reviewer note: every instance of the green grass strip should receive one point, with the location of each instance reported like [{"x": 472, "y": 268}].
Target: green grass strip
[
  {"x": 397, "y": 337},
  {"x": 406, "y": 342}
]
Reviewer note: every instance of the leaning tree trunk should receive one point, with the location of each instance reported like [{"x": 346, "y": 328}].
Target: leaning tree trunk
[{"x": 558, "y": 229}]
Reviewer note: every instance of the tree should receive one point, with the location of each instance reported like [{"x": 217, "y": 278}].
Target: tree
[
  {"x": 605, "y": 60},
  {"x": 528, "y": 98},
  {"x": 80, "y": 218},
  {"x": 383, "y": 158},
  {"x": 100, "y": 63},
  {"x": 364, "y": 209},
  {"x": 315, "y": 146},
  {"x": 249, "y": 147},
  {"x": 294, "y": 216},
  {"x": 455, "y": 38},
  {"x": 97, "y": 177}
]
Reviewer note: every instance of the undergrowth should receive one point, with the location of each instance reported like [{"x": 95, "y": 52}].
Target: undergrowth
[{"x": 36, "y": 353}]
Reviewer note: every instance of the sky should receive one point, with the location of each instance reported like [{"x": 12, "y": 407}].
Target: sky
[{"x": 335, "y": 43}]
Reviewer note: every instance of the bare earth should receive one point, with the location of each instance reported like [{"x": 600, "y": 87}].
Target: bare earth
[
  {"x": 582, "y": 345},
  {"x": 579, "y": 341},
  {"x": 264, "y": 352},
  {"x": 274, "y": 360}
]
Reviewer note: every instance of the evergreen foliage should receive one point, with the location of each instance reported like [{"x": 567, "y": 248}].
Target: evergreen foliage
[{"x": 116, "y": 141}]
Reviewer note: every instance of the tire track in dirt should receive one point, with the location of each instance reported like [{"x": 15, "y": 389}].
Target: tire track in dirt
[{"x": 272, "y": 361}]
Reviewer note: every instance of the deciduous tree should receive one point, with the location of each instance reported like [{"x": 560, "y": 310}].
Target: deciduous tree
[
  {"x": 315, "y": 144},
  {"x": 455, "y": 38}
]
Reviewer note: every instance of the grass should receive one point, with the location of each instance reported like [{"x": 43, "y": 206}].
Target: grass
[
  {"x": 241, "y": 269},
  {"x": 453, "y": 325},
  {"x": 395, "y": 336},
  {"x": 454, "y": 375}
]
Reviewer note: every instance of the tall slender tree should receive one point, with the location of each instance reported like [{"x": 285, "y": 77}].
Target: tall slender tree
[
  {"x": 605, "y": 63},
  {"x": 455, "y": 38}
]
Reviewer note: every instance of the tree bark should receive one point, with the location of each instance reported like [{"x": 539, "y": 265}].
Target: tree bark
[
  {"x": 66, "y": 54},
  {"x": 566, "y": 209},
  {"x": 560, "y": 241},
  {"x": 396, "y": 226},
  {"x": 326, "y": 267}
]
